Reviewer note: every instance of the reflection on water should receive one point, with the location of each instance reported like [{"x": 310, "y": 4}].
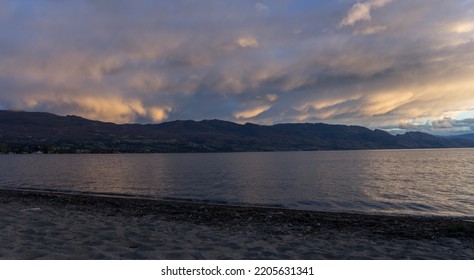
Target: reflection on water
[{"x": 422, "y": 182}]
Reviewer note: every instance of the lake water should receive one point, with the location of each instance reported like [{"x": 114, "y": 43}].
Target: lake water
[{"x": 415, "y": 182}]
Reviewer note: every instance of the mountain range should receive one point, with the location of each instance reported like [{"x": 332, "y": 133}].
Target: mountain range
[
  {"x": 27, "y": 132},
  {"x": 463, "y": 136}
]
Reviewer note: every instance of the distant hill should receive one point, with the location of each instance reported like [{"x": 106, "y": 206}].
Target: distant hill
[
  {"x": 45, "y": 132},
  {"x": 463, "y": 136}
]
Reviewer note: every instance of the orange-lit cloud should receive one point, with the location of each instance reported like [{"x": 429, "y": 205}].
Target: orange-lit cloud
[
  {"x": 251, "y": 113},
  {"x": 109, "y": 109},
  {"x": 247, "y": 42},
  {"x": 158, "y": 114},
  {"x": 463, "y": 27}
]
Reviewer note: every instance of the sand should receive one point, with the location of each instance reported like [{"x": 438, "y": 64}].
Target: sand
[{"x": 64, "y": 226}]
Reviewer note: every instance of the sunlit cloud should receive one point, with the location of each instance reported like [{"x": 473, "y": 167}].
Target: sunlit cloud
[
  {"x": 385, "y": 102},
  {"x": 463, "y": 27},
  {"x": 251, "y": 113},
  {"x": 107, "y": 109},
  {"x": 360, "y": 11},
  {"x": 158, "y": 114},
  {"x": 370, "y": 30},
  {"x": 114, "y": 110},
  {"x": 272, "y": 97},
  {"x": 247, "y": 42}
]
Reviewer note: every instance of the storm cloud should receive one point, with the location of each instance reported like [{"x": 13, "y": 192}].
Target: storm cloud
[{"x": 378, "y": 63}]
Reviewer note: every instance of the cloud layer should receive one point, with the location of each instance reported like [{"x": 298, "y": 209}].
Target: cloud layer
[
  {"x": 360, "y": 11},
  {"x": 379, "y": 63}
]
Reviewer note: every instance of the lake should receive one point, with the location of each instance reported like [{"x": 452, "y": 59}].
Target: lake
[{"x": 413, "y": 182}]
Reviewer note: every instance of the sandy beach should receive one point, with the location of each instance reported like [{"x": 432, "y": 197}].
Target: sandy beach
[{"x": 64, "y": 226}]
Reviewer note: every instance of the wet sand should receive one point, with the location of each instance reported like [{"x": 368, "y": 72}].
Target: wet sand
[{"x": 65, "y": 226}]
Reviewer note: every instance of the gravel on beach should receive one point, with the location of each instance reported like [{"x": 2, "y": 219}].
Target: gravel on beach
[{"x": 42, "y": 225}]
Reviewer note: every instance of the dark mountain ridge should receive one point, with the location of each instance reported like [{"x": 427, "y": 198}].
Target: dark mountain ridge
[
  {"x": 469, "y": 136},
  {"x": 46, "y": 132}
]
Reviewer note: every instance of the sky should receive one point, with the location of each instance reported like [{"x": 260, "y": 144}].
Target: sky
[{"x": 398, "y": 65}]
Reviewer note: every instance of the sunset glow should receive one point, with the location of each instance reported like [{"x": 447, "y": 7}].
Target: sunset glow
[{"x": 390, "y": 64}]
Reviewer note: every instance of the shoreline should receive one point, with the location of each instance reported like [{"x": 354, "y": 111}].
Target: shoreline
[
  {"x": 147, "y": 200},
  {"x": 151, "y": 229}
]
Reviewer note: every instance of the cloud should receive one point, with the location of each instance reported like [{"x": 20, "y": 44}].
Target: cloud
[
  {"x": 272, "y": 97},
  {"x": 360, "y": 11},
  {"x": 463, "y": 27},
  {"x": 247, "y": 42},
  {"x": 114, "y": 110},
  {"x": 379, "y": 3},
  {"x": 449, "y": 125},
  {"x": 444, "y": 123},
  {"x": 251, "y": 113},
  {"x": 159, "y": 114},
  {"x": 370, "y": 30},
  {"x": 408, "y": 125},
  {"x": 443, "y": 126},
  {"x": 110, "y": 108},
  {"x": 162, "y": 61},
  {"x": 259, "y": 7},
  {"x": 105, "y": 67}
]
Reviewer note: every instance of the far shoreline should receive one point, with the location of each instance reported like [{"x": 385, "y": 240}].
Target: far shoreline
[{"x": 229, "y": 152}]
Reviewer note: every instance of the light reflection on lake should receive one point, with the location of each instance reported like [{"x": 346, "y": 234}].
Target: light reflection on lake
[{"x": 421, "y": 182}]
